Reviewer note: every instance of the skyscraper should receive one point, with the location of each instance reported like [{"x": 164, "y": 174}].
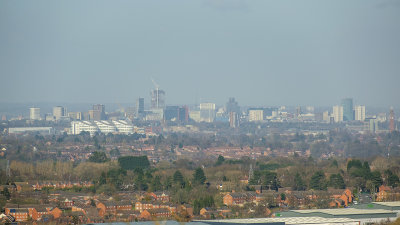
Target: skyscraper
[
  {"x": 207, "y": 112},
  {"x": 98, "y": 112},
  {"x": 59, "y": 112},
  {"x": 140, "y": 106},
  {"x": 391, "y": 120},
  {"x": 348, "y": 113},
  {"x": 233, "y": 120},
  {"x": 232, "y": 106},
  {"x": 34, "y": 113},
  {"x": 157, "y": 99},
  {"x": 359, "y": 112},
  {"x": 338, "y": 113},
  {"x": 256, "y": 114}
]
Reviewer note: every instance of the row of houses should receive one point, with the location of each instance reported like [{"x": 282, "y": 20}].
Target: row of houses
[
  {"x": 388, "y": 194},
  {"x": 19, "y": 213},
  {"x": 287, "y": 197},
  {"x": 61, "y": 185}
]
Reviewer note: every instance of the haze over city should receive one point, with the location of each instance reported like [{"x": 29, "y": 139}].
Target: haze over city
[{"x": 260, "y": 52}]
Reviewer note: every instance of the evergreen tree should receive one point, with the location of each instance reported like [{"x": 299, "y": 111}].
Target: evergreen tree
[
  {"x": 336, "y": 181},
  {"x": 6, "y": 193},
  {"x": 299, "y": 184},
  {"x": 376, "y": 179},
  {"x": 198, "y": 176},
  {"x": 220, "y": 160},
  {"x": 98, "y": 157},
  {"x": 178, "y": 177},
  {"x": 318, "y": 181}
]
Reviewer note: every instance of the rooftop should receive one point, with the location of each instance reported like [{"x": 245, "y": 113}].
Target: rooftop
[
  {"x": 390, "y": 204},
  {"x": 348, "y": 211},
  {"x": 288, "y": 220}
]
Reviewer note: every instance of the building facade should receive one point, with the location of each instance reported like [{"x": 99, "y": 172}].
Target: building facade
[
  {"x": 34, "y": 113},
  {"x": 338, "y": 113},
  {"x": 256, "y": 115},
  {"x": 359, "y": 112},
  {"x": 348, "y": 113}
]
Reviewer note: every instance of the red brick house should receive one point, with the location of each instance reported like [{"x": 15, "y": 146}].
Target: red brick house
[{"x": 160, "y": 196}]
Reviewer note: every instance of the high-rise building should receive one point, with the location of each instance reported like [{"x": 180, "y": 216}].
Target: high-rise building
[
  {"x": 359, "y": 112},
  {"x": 348, "y": 113},
  {"x": 98, "y": 112},
  {"x": 34, "y": 113},
  {"x": 232, "y": 106},
  {"x": 140, "y": 106},
  {"x": 256, "y": 115},
  {"x": 183, "y": 114},
  {"x": 207, "y": 112},
  {"x": 391, "y": 120},
  {"x": 157, "y": 99},
  {"x": 373, "y": 125},
  {"x": 233, "y": 120},
  {"x": 75, "y": 115},
  {"x": 325, "y": 117},
  {"x": 338, "y": 113},
  {"x": 176, "y": 113},
  {"x": 59, "y": 112}
]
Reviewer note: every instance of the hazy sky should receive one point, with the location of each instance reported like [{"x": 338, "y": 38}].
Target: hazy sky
[{"x": 260, "y": 52}]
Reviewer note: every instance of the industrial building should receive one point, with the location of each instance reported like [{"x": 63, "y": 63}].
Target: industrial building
[
  {"x": 285, "y": 221},
  {"x": 23, "y": 130},
  {"x": 362, "y": 215},
  {"x": 118, "y": 126},
  {"x": 393, "y": 206}
]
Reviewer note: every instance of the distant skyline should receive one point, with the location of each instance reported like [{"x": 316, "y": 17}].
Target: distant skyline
[{"x": 260, "y": 52}]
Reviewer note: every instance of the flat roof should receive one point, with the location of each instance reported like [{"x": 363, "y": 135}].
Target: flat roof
[
  {"x": 390, "y": 204},
  {"x": 286, "y": 220},
  {"x": 347, "y": 211}
]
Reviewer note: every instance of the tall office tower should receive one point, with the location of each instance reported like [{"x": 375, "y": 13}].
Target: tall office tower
[
  {"x": 338, "y": 113},
  {"x": 75, "y": 115},
  {"x": 207, "y": 112},
  {"x": 373, "y": 125},
  {"x": 234, "y": 120},
  {"x": 98, "y": 112},
  {"x": 183, "y": 114},
  {"x": 359, "y": 112},
  {"x": 391, "y": 120},
  {"x": 59, "y": 112},
  {"x": 232, "y": 106},
  {"x": 348, "y": 113},
  {"x": 140, "y": 106},
  {"x": 34, "y": 113},
  {"x": 256, "y": 115},
  {"x": 325, "y": 117},
  {"x": 157, "y": 99}
]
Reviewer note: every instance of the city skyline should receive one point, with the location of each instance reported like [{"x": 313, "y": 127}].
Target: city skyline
[{"x": 261, "y": 52}]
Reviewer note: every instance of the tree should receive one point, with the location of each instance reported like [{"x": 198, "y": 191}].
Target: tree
[
  {"x": 198, "y": 176},
  {"x": 115, "y": 152},
  {"x": 392, "y": 179},
  {"x": 318, "y": 181},
  {"x": 283, "y": 196},
  {"x": 336, "y": 181},
  {"x": 98, "y": 157},
  {"x": 354, "y": 163},
  {"x": 376, "y": 179},
  {"x": 220, "y": 160},
  {"x": 178, "y": 178},
  {"x": 6, "y": 193},
  {"x": 299, "y": 184},
  {"x": 133, "y": 162}
]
